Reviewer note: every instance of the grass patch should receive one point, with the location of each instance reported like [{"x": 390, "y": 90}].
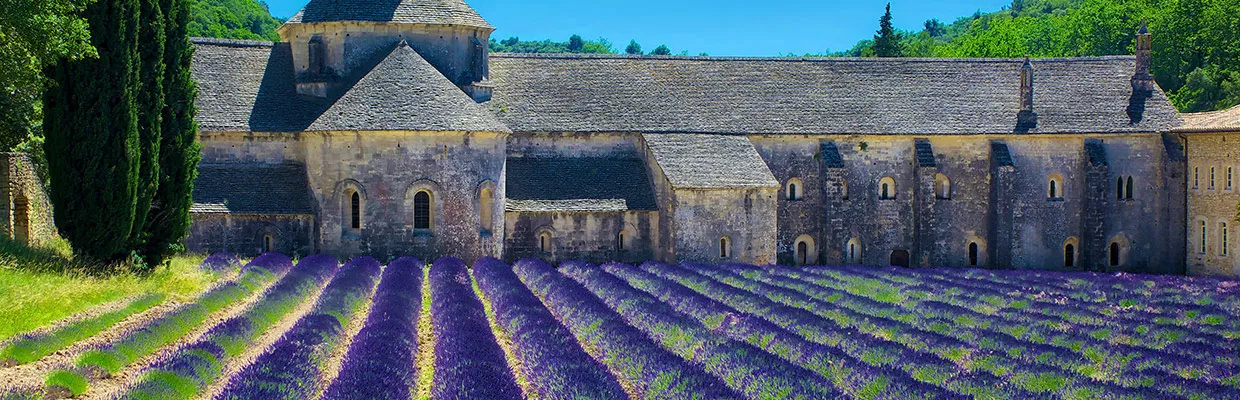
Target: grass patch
[
  {"x": 39, "y": 286},
  {"x": 73, "y": 382}
]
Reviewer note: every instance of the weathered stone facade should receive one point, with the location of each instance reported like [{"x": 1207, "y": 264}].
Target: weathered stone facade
[
  {"x": 24, "y": 204},
  {"x": 1212, "y": 146},
  {"x": 413, "y": 140}
]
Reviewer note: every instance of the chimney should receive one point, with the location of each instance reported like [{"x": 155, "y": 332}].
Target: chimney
[
  {"x": 1026, "y": 118},
  {"x": 1142, "y": 81}
]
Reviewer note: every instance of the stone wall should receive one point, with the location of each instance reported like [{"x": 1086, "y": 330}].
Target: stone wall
[
  {"x": 747, "y": 217},
  {"x": 250, "y": 148},
  {"x": 1212, "y": 205},
  {"x": 585, "y": 236},
  {"x": 387, "y": 169},
  {"x": 349, "y": 45},
  {"x": 244, "y": 234},
  {"x": 24, "y": 204}
]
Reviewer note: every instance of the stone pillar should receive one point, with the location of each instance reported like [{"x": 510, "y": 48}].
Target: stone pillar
[
  {"x": 1096, "y": 200},
  {"x": 1003, "y": 232},
  {"x": 834, "y": 233},
  {"x": 925, "y": 251}
]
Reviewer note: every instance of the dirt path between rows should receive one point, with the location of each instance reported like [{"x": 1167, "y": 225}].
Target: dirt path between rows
[
  {"x": 131, "y": 375},
  {"x": 331, "y": 368},
  {"x": 261, "y": 344}
]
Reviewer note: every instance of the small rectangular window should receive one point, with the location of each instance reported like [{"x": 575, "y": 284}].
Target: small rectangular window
[
  {"x": 1222, "y": 238},
  {"x": 1211, "y": 177},
  {"x": 1196, "y": 177},
  {"x": 1230, "y": 171},
  {"x": 1204, "y": 237}
]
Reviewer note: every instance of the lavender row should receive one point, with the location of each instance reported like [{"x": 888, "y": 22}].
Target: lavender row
[
  {"x": 747, "y": 370},
  {"x": 291, "y": 367},
  {"x": 469, "y": 363},
  {"x": 187, "y": 372},
  {"x": 645, "y": 368},
  {"x": 834, "y": 365},
  {"x": 380, "y": 362},
  {"x": 110, "y": 359},
  {"x": 555, "y": 364},
  {"x": 1008, "y": 356},
  {"x": 220, "y": 263}
]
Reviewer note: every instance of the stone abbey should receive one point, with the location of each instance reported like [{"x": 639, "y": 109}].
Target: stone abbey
[{"x": 387, "y": 128}]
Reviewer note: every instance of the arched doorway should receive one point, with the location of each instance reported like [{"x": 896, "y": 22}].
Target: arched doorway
[
  {"x": 21, "y": 219},
  {"x": 900, "y": 258},
  {"x": 973, "y": 253},
  {"x": 802, "y": 250}
]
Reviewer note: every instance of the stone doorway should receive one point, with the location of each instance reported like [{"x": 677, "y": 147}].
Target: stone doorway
[
  {"x": 21, "y": 219},
  {"x": 899, "y": 258}
]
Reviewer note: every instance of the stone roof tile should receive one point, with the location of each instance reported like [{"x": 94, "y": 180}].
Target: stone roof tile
[
  {"x": 551, "y": 184},
  {"x": 590, "y": 93},
  {"x": 925, "y": 153},
  {"x": 831, "y": 157},
  {"x": 431, "y": 12},
  {"x": 1212, "y": 121},
  {"x": 252, "y": 189},
  {"x": 702, "y": 161},
  {"x": 1000, "y": 154}
]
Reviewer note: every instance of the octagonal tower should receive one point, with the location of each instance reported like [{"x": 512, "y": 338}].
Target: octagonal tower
[{"x": 333, "y": 40}]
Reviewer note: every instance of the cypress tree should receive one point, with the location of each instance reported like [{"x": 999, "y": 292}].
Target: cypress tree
[
  {"x": 150, "y": 112},
  {"x": 168, "y": 221},
  {"x": 91, "y": 129},
  {"x": 886, "y": 41}
]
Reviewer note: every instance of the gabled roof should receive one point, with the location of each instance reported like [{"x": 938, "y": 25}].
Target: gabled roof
[
  {"x": 588, "y": 184},
  {"x": 431, "y": 12},
  {"x": 701, "y": 161},
  {"x": 1212, "y": 121},
  {"x": 252, "y": 189},
  {"x": 245, "y": 86},
  {"x": 405, "y": 93},
  {"x": 591, "y": 93}
]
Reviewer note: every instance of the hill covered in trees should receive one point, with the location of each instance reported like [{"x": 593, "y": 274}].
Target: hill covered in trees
[
  {"x": 1196, "y": 42},
  {"x": 232, "y": 19}
]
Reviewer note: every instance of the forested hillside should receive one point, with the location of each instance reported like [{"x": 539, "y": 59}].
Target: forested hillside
[
  {"x": 232, "y": 19},
  {"x": 1196, "y": 42}
]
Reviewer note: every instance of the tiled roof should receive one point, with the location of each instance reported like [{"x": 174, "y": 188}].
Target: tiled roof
[
  {"x": 830, "y": 154},
  {"x": 578, "y": 184},
  {"x": 245, "y": 86},
  {"x": 700, "y": 161},
  {"x": 1213, "y": 121},
  {"x": 404, "y": 92},
  {"x": 431, "y": 12},
  {"x": 925, "y": 153},
  {"x": 590, "y": 93},
  {"x": 999, "y": 152},
  {"x": 252, "y": 189}
]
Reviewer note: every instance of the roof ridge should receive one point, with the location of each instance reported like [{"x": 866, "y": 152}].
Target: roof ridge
[
  {"x": 583, "y": 56},
  {"x": 231, "y": 42}
]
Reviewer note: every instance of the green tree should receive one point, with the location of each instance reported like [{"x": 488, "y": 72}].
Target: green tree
[
  {"x": 150, "y": 106},
  {"x": 662, "y": 50},
  {"x": 575, "y": 44},
  {"x": 33, "y": 35},
  {"x": 91, "y": 128},
  {"x": 232, "y": 19},
  {"x": 886, "y": 40},
  {"x": 168, "y": 220},
  {"x": 633, "y": 48}
]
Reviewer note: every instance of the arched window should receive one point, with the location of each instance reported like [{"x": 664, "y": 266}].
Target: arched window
[
  {"x": 1203, "y": 237},
  {"x": 1114, "y": 254},
  {"x": 1119, "y": 188},
  {"x": 844, "y": 189},
  {"x": 852, "y": 252},
  {"x": 795, "y": 190},
  {"x": 352, "y": 210},
  {"x": 269, "y": 243},
  {"x": 973, "y": 254},
  {"x": 725, "y": 247},
  {"x": 1055, "y": 188},
  {"x": 422, "y": 210},
  {"x": 486, "y": 202},
  {"x": 1128, "y": 191},
  {"x": 805, "y": 253},
  {"x": 544, "y": 242},
  {"x": 1222, "y": 238},
  {"x": 942, "y": 187},
  {"x": 1069, "y": 255},
  {"x": 620, "y": 245},
  {"x": 887, "y": 189}
]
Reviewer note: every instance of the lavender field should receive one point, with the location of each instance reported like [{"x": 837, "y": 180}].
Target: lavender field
[{"x": 447, "y": 330}]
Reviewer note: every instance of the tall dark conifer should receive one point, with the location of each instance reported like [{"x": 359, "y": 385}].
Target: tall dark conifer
[
  {"x": 179, "y": 151},
  {"x": 150, "y": 112},
  {"x": 886, "y": 40},
  {"x": 91, "y": 128}
]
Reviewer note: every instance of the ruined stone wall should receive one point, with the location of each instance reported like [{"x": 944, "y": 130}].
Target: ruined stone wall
[
  {"x": 350, "y": 45},
  {"x": 387, "y": 169},
  {"x": 244, "y": 234},
  {"x": 24, "y": 205},
  {"x": 250, "y": 148},
  {"x": 1212, "y": 205},
  {"x": 590, "y": 237},
  {"x": 747, "y": 217}
]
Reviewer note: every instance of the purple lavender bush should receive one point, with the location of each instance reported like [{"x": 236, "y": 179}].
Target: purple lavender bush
[
  {"x": 220, "y": 262},
  {"x": 555, "y": 364},
  {"x": 469, "y": 363},
  {"x": 291, "y": 367},
  {"x": 643, "y": 365},
  {"x": 380, "y": 362}
]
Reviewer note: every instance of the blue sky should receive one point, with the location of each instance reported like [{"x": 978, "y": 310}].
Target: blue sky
[{"x": 718, "y": 27}]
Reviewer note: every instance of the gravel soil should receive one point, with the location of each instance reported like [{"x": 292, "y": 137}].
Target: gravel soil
[{"x": 332, "y": 368}]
